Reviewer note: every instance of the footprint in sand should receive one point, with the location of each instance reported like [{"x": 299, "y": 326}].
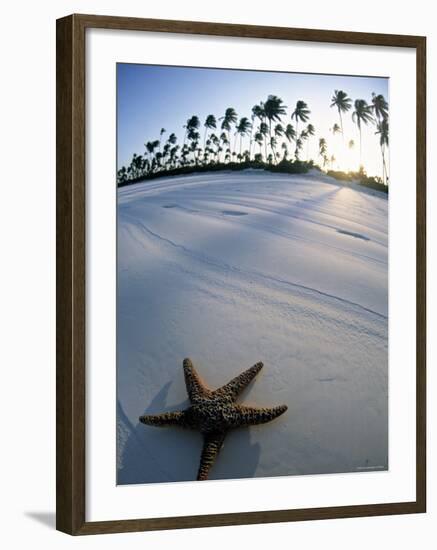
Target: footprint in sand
[
  {"x": 233, "y": 213},
  {"x": 352, "y": 234}
]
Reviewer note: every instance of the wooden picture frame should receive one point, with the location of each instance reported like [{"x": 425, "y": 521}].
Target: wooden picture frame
[{"x": 71, "y": 254}]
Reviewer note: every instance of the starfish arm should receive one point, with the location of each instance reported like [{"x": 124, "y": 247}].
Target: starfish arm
[
  {"x": 176, "y": 418},
  {"x": 195, "y": 388},
  {"x": 233, "y": 388},
  {"x": 250, "y": 416},
  {"x": 211, "y": 446}
]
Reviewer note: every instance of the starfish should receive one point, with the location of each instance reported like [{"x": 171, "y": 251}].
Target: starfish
[{"x": 214, "y": 412}]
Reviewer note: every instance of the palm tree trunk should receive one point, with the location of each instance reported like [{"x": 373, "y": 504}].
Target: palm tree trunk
[
  {"x": 297, "y": 137},
  {"x": 342, "y": 132},
  {"x": 360, "y": 147},
  {"x": 384, "y": 167},
  {"x": 341, "y": 123}
]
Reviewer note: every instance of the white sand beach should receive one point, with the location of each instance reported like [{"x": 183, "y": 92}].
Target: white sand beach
[{"x": 231, "y": 268}]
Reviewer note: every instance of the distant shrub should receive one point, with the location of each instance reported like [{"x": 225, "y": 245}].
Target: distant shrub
[
  {"x": 371, "y": 182},
  {"x": 374, "y": 183},
  {"x": 289, "y": 167},
  {"x": 361, "y": 177},
  {"x": 342, "y": 176}
]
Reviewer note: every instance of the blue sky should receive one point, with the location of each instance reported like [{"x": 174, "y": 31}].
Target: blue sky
[{"x": 153, "y": 97}]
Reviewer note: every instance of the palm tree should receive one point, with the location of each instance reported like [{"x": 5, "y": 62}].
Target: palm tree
[
  {"x": 299, "y": 145},
  {"x": 259, "y": 140},
  {"x": 122, "y": 175},
  {"x": 192, "y": 124},
  {"x": 172, "y": 139},
  {"x": 193, "y": 137},
  {"x": 335, "y": 129},
  {"x": 303, "y": 137},
  {"x": 210, "y": 123},
  {"x": 243, "y": 127},
  {"x": 285, "y": 149},
  {"x": 310, "y": 131},
  {"x": 380, "y": 110},
  {"x": 264, "y": 131},
  {"x": 290, "y": 132},
  {"x": 158, "y": 159},
  {"x": 150, "y": 148},
  {"x": 257, "y": 112},
  {"x": 207, "y": 151},
  {"x": 184, "y": 154},
  {"x": 274, "y": 108},
  {"x": 343, "y": 103},
  {"x": 138, "y": 164},
  {"x": 163, "y": 130},
  {"x": 273, "y": 143},
  {"x": 379, "y": 106},
  {"x": 165, "y": 153},
  {"x": 382, "y": 130},
  {"x": 229, "y": 118},
  {"x": 278, "y": 132},
  {"x": 173, "y": 152},
  {"x": 216, "y": 142},
  {"x": 133, "y": 166},
  {"x": 301, "y": 113},
  {"x": 362, "y": 113},
  {"x": 225, "y": 142},
  {"x": 322, "y": 149}
]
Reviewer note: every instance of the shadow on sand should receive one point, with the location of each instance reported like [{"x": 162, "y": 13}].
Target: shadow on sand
[{"x": 149, "y": 455}]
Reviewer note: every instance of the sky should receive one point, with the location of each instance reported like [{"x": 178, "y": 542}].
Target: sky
[{"x": 153, "y": 97}]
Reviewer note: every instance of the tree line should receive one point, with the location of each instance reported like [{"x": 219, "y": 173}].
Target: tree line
[{"x": 271, "y": 136}]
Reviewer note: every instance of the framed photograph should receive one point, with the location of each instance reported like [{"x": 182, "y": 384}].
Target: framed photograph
[{"x": 240, "y": 274}]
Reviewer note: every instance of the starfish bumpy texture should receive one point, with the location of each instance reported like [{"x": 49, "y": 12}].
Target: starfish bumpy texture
[{"x": 214, "y": 412}]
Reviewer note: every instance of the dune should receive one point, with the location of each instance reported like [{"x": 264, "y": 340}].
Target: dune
[{"x": 231, "y": 268}]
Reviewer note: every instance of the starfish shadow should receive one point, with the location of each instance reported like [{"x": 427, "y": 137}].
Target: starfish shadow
[{"x": 150, "y": 455}]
